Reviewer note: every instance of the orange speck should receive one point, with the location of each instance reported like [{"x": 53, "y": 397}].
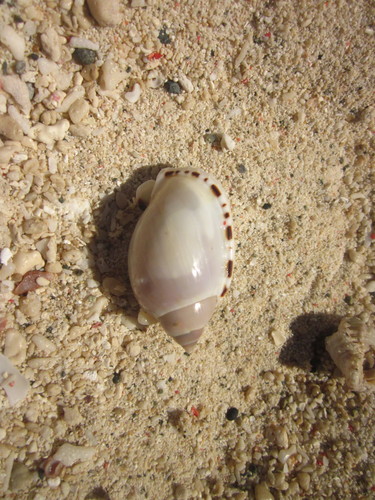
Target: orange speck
[{"x": 194, "y": 411}]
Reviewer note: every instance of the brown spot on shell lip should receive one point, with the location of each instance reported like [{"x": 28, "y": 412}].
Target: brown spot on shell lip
[
  {"x": 170, "y": 173},
  {"x": 225, "y": 289},
  {"x": 195, "y": 174},
  {"x": 230, "y": 268},
  {"x": 226, "y": 215},
  {"x": 216, "y": 190},
  {"x": 229, "y": 232}
]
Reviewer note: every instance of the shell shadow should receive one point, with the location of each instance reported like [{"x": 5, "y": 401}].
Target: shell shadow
[
  {"x": 306, "y": 347},
  {"x": 115, "y": 220}
]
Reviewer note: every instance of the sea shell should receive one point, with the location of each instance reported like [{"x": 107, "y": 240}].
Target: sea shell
[
  {"x": 352, "y": 348},
  {"x": 181, "y": 252}
]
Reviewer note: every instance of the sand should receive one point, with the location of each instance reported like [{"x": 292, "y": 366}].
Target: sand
[{"x": 290, "y": 86}]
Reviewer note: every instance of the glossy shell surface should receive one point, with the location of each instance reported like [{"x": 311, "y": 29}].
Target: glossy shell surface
[{"x": 181, "y": 252}]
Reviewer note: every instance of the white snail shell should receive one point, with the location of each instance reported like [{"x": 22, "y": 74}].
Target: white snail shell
[{"x": 181, "y": 252}]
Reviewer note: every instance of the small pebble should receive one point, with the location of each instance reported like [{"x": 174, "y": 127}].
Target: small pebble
[
  {"x": 82, "y": 43},
  {"x": 231, "y": 414},
  {"x": 241, "y": 168},
  {"x": 10, "y": 128},
  {"x": 15, "y": 346},
  {"x": 110, "y": 75},
  {"x": 105, "y": 13},
  {"x": 303, "y": 480},
  {"x": 68, "y": 454},
  {"x": 185, "y": 83},
  {"x": 72, "y": 416},
  {"x": 133, "y": 349},
  {"x": 25, "y": 261},
  {"x": 18, "y": 90},
  {"x": 85, "y": 56},
  {"x": 227, "y": 142},
  {"x": 163, "y": 36},
  {"x": 172, "y": 87},
  {"x": 43, "y": 344},
  {"x": 262, "y": 492},
  {"x": 266, "y": 206},
  {"x": 20, "y": 67},
  {"x": 13, "y": 41},
  {"x": 21, "y": 478},
  {"x": 51, "y": 44},
  {"x": 79, "y": 110},
  {"x": 48, "y": 134}
]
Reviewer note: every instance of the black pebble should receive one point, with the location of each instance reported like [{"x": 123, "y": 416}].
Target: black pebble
[
  {"x": 241, "y": 168},
  {"x": 266, "y": 206},
  {"x": 164, "y": 37},
  {"x": 231, "y": 414},
  {"x": 172, "y": 87},
  {"x": 116, "y": 377},
  {"x": 85, "y": 56},
  {"x": 34, "y": 57}
]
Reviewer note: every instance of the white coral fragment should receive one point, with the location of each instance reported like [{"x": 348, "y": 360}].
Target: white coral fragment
[
  {"x": 352, "y": 348},
  {"x": 18, "y": 89},
  {"x": 50, "y": 133},
  {"x": 13, "y": 41}
]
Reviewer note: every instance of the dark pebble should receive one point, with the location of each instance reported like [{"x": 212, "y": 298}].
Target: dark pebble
[
  {"x": 241, "y": 168},
  {"x": 85, "y": 56},
  {"x": 20, "y": 67},
  {"x": 231, "y": 414},
  {"x": 116, "y": 377},
  {"x": 34, "y": 57},
  {"x": 4, "y": 68},
  {"x": 172, "y": 87},
  {"x": 164, "y": 37},
  {"x": 267, "y": 206}
]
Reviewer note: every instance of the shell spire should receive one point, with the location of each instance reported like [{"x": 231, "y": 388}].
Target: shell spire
[{"x": 181, "y": 252}]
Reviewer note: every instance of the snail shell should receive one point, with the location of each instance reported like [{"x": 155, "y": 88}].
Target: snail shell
[{"x": 181, "y": 252}]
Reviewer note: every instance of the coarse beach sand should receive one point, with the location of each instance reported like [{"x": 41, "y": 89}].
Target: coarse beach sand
[{"x": 275, "y": 100}]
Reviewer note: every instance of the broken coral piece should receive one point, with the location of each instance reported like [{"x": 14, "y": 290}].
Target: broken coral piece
[{"x": 352, "y": 348}]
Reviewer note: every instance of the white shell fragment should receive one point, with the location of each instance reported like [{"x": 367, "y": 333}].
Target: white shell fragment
[
  {"x": 181, "y": 252},
  {"x": 352, "y": 348},
  {"x": 134, "y": 94}
]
